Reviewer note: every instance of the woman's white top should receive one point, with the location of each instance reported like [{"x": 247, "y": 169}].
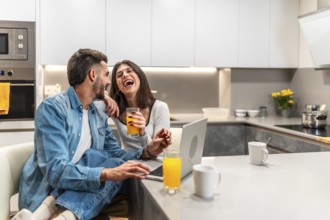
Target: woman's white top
[{"x": 159, "y": 117}]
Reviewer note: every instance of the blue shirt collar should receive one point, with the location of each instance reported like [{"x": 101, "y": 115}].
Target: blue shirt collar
[{"x": 75, "y": 102}]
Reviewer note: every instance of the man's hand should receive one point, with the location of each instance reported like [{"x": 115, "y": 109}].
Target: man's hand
[
  {"x": 112, "y": 108},
  {"x": 130, "y": 169},
  {"x": 162, "y": 140}
]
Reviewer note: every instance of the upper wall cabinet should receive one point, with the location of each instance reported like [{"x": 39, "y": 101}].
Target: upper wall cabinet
[
  {"x": 222, "y": 33},
  {"x": 173, "y": 32},
  {"x": 216, "y": 41},
  {"x": 284, "y": 34},
  {"x": 67, "y": 26},
  {"x": 128, "y": 32},
  {"x": 254, "y": 33},
  {"x": 268, "y": 34},
  {"x": 18, "y": 10}
]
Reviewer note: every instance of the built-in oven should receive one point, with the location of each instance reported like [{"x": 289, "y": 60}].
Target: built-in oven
[
  {"x": 21, "y": 100},
  {"x": 17, "y": 68}
]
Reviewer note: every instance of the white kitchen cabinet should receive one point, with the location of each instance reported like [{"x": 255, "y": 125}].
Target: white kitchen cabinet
[
  {"x": 18, "y": 10},
  {"x": 128, "y": 31},
  {"x": 67, "y": 26},
  {"x": 173, "y": 32},
  {"x": 284, "y": 34},
  {"x": 217, "y": 33},
  {"x": 15, "y": 137},
  {"x": 253, "y": 43}
]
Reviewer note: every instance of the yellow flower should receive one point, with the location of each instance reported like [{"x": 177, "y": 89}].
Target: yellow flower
[{"x": 283, "y": 99}]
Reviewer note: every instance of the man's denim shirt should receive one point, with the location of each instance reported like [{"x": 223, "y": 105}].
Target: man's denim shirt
[{"x": 58, "y": 123}]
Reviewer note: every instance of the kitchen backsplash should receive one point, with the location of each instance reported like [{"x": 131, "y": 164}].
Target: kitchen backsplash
[
  {"x": 185, "y": 90},
  {"x": 252, "y": 88}
]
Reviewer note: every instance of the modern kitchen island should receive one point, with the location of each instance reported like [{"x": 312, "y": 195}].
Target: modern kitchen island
[{"x": 289, "y": 186}]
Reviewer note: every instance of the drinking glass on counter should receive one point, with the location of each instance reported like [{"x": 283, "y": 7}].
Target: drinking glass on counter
[
  {"x": 172, "y": 170},
  {"x": 131, "y": 130}
]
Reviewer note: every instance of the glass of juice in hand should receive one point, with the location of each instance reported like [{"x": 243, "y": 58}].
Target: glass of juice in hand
[
  {"x": 172, "y": 170},
  {"x": 131, "y": 130}
]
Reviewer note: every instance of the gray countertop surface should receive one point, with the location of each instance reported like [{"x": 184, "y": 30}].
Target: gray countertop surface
[
  {"x": 179, "y": 119},
  {"x": 287, "y": 187}
]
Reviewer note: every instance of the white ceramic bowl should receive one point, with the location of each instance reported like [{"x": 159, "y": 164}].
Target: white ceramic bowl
[
  {"x": 253, "y": 113},
  {"x": 216, "y": 113},
  {"x": 240, "y": 112}
]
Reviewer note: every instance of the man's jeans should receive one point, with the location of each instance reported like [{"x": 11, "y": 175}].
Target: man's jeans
[{"x": 88, "y": 204}]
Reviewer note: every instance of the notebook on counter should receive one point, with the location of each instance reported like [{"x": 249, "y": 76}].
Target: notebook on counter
[{"x": 191, "y": 147}]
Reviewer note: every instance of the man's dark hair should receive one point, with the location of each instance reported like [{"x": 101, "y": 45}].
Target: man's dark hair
[{"x": 81, "y": 62}]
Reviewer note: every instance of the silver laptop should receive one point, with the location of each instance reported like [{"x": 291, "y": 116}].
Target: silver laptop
[{"x": 191, "y": 147}]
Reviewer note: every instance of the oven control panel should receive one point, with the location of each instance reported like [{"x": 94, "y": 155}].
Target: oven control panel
[{"x": 17, "y": 73}]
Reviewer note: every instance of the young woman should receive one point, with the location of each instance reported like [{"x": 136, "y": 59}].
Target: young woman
[{"x": 130, "y": 88}]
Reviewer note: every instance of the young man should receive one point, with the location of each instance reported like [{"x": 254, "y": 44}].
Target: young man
[{"x": 77, "y": 163}]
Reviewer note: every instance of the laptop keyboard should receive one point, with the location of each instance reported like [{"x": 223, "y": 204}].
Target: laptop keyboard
[{"x": 157, "y": 172}]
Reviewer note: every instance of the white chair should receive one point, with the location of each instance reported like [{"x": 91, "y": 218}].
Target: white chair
[{"x": 12, "y": 160}]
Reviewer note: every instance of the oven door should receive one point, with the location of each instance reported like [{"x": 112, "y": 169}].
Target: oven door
[{"x": 22, "y": 100}]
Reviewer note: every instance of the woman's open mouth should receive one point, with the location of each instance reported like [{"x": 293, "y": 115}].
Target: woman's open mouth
[{"x": 128, "y": 83}]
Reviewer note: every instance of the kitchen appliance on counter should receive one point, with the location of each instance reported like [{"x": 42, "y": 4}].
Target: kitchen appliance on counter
[
  {"x": 324, "y": 132},
  {"x": 314, "y": 116},
  {"x": 17, "y": 67}
]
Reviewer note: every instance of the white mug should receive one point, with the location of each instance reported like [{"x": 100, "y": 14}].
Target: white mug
[
  {"x": 258, "y": 153},
  {"x": 206, "y": 179}
]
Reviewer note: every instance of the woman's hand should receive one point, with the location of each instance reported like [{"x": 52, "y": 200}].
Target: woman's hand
[
  {"x": 162, "y": 140},
  {"x": 139, "y": 122},
  {"x": 112, "y": 108}
]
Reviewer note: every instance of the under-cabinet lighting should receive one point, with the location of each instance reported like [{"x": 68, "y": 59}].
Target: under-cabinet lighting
[
  {"x": 183, "y": 70},
  {"x": 167, "y": 70},
  {"x": 55, "y": 68}
]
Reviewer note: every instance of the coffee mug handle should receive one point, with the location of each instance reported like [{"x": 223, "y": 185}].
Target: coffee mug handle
[
  {"x": 265, "y": 155},
  {"x": 219, "y": 178}
]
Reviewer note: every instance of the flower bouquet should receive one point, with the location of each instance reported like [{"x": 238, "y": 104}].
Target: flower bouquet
[{"x": 284, "y": 101}]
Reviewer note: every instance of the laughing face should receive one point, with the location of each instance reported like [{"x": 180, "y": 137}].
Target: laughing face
[{"x": 127, "y": 80}]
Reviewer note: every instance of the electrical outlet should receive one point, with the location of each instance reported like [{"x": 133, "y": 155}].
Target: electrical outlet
[{"x": 52, "y": 89}]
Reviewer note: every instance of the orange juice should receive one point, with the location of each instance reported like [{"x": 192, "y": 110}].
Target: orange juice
[
  {"x": 131, "y": 130},
  {"x": 172, "y": 173}
]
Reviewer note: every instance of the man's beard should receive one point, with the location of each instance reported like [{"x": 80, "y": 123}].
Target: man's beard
[
  {"x": 99, "y": 90},
  {"x": 100, "y": 95}
]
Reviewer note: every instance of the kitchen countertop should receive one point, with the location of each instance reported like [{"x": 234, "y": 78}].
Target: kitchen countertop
[
  {"x": 267, "y": 123},
  {"x": 290, "y": 186},
  {"x": 179, "y": 119}
]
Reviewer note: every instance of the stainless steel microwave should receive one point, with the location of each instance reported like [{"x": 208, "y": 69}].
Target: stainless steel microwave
[
  {"x": 13, "y": 44},
  {"x": 17, "y": 43}
]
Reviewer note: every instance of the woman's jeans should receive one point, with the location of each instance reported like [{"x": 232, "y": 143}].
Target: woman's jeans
[{"x": 88, "y": 204}]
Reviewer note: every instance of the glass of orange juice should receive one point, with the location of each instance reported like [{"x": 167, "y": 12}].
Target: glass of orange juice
[
  {"x": 172, "y": 170},
  {"x": 131, "y": 130}
]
